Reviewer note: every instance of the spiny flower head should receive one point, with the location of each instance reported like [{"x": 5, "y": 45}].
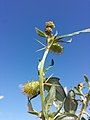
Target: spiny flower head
[
  {"x": 56, "y": 48},
  {"x": 31, "y": 88}
]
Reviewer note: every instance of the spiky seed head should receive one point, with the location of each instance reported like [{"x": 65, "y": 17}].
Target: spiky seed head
[
  {"x": 56, "y": 48},
  {"x": 31, "y": 88},
  {"x": 50, "y": 24}
]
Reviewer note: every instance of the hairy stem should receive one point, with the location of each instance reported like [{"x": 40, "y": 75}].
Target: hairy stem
[{"x": 41, "y": 77}]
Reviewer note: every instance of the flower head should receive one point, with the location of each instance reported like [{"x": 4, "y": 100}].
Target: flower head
[
  {"x": 31, "y": 88},
  {"x": 56, "y": 48},
  {"x": 48, "y": 30},
  {"x": 50, "y": 24}
]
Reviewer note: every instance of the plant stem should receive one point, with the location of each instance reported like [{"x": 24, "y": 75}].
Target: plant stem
[
  {"x": 81, "y": 112},
  {"x": 83, "y": 109},
  {"x": 41, "y": 77}
]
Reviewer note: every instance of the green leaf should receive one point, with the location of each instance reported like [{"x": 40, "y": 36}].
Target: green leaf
[
  {"x": 83, "y": 118},
  {"x": 79, "y": 94},
  {"x": 51, "y": 65},
  {"x": 58, "y": 40},
  {"x": 78, "y": 89},
  {"x": 86, "y": 78},
  {"x": 52, "y": 62},
  {"x": 89, "y": 85},
  {"x": 74, "y": 33},
  {"x": 56, "y": 34},
  {"x": 52, "y": 80},
  {"x": 60, "y": 93},
  {"x": 71, "y": 94},
  {"x": 70, "y": 104},
  {"x": 40, "y": 33},
  {"x": 69, "y": 41},
  {"x": 49, "y": 100}
]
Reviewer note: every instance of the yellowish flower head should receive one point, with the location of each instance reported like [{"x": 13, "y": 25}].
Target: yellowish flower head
[
  {"x": 50, "y": 24},
  {"x": 56, "y": 48},
  {"x": 31, "y": 88}
]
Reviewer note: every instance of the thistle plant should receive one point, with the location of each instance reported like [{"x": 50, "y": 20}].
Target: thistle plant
[{"x": 71, "y": 105}]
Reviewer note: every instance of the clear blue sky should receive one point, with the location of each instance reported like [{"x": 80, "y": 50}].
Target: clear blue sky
[{"x": 18, "y": 59}]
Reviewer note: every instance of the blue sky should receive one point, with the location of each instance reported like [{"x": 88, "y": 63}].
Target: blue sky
[{"x": 18, "y": 59}]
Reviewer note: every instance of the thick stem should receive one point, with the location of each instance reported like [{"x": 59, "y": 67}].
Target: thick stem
[{"x": 41, "y": 77}]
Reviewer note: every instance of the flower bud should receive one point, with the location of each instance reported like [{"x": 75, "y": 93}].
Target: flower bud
[
  {"x": 50, "y": 24},
  {"x": 48, "y": 30}
]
